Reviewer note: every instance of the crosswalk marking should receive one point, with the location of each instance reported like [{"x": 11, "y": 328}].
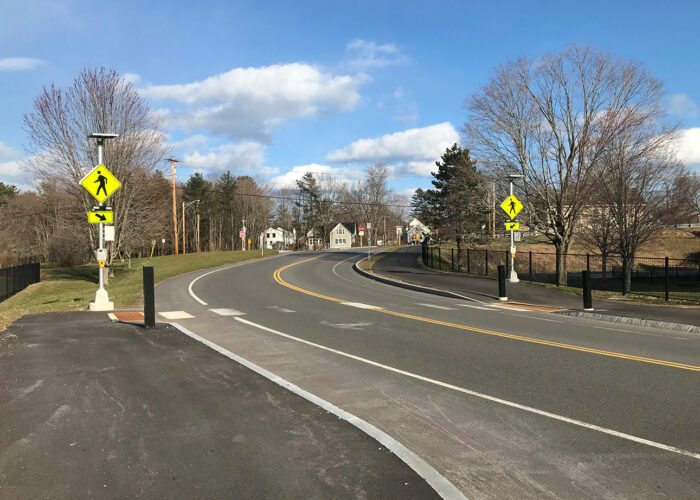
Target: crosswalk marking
[
  {"x": 227, "y": 312},
  {"x": 175, "y": 315}
]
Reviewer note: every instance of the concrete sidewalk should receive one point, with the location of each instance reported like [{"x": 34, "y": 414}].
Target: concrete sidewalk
[
  {"x": 92, "y": 408},
  {"x": 403, "y": 265}
]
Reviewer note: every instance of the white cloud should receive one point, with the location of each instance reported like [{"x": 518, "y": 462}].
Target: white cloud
[
  {"x": 131, "y": 78},
  {"x": 238, "y": 157},
  {"x": 683, "y": 106},
  {"x": 343, "y": 174},
  {"x": 19, "y": 63},
  {"x": 10, "y": 169},
  {"x": 367, "y": 55},
  {"x": 7, "y": 151},
  {"x": 412, "y": 152},
  {"x": 249, "y": 102},
  {"x": 689, "y": 147}
]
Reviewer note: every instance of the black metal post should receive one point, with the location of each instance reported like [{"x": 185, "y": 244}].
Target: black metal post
[
  {"x": 502, "y": 283},
  {"x": 469, "y": 263},
  {"x": 666, "y": 279},
  {"x": 487, "y": 262},
  {"x": 452, "y": 259},
  {"x": 556, "y": 272},
  {"x": 149, "y": 298},
  {"x": 530, "y": 265},
  {"x": 440, "y": 258},
  {"x": 587, "y": 297}
]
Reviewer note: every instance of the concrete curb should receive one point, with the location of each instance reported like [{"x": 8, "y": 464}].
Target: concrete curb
[
  {"x": 665, "y": 325},
  {"x": 408, "y": 286}
]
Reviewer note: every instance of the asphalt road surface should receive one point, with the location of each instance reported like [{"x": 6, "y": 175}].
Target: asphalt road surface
[{"x": 503, "y": 403}]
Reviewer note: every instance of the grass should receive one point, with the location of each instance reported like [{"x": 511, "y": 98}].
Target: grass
[
  {"x": 367, "y": 264},
  {"x": 73, "y": 288}
]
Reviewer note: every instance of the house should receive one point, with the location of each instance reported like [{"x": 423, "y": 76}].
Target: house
[
  {"x": 276, "y": 237},
  {"x": 416, "y": 232},
  {"x": 342, "y": 235},
  {"x": 313, "y": 240}
]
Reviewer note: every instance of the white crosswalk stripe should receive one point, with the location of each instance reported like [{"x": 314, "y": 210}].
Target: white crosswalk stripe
[{"x": 175, "y": 315}]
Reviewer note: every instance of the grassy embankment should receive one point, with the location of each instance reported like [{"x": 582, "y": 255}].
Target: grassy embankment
[
  {"x": 366, "y": 264},
  {"x": 73, "y": 288}
]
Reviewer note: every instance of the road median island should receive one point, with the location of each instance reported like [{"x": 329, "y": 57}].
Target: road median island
[
  {"x": 94, "y": 408},
  {"x": 72, "y": 288}
]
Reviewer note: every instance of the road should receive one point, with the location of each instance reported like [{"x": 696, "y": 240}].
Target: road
[{"x": 503, "y": 403}]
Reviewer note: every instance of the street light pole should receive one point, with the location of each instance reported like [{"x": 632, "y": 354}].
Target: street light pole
[
  {"x": 513, "y": 275},
  {"x": 101, "y": 302}
]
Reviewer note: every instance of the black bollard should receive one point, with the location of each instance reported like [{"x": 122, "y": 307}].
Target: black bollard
[
  {"x": 587, "y": 298},
  {"x": 149, "y": 298},
  {"x": 502, "y": 283}
]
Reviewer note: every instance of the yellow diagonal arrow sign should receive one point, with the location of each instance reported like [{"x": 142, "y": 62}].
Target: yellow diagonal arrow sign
[{"x": 101, "y": 217}]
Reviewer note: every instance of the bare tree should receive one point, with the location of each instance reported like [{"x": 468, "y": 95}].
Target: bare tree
[
  {"x": 367, "y": 200},
  {"x": 98, "y": 101},
  {"x": 636, "y": 168},
  {"x": 551, "y": 119}
]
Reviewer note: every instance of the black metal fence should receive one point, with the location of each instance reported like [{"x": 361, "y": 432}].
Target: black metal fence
[
  {"x": 677, "y": 279},
  {"x": 17, "y": 278}
]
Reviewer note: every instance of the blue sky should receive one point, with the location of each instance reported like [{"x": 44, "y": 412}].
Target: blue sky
[{"x": 273, "y": 89}]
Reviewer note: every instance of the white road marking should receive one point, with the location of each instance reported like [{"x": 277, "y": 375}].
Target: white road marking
[
  {"x": 175, "y": 315},
  {"x": 435, "y": 306},
  {"x": 442, "y": 486},
  {"x": 280, "y": 309},
  {"x": 189, "y": 287},
  {"x": 474, "y": 307},
  {"x": 227, "y": 312},
  {"x": 554, "y": 416},
  {"x": 360, "y": 305},
  {"x": 346, "y": 326}
]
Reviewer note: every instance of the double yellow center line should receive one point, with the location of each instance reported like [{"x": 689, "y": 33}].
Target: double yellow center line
[{"x": 278, "y": 278}]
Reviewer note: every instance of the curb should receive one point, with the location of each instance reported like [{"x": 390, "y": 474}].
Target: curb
[
  {"x": 408, "y": 286},
  {"x": 665, "y": 325}
]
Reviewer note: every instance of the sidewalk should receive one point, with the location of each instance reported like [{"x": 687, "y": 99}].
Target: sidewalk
[
  {"x": 403, "y": 265},
  {"x": 92, "y": 408}
]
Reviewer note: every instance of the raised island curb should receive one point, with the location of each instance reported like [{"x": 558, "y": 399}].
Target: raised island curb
[{"x": 664, "y": 325}]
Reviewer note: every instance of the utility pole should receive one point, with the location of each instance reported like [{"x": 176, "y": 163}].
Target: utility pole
[
  {"x": 184, "y": 249},
  {"x": 197, "y": 230},
  {"x": 173, "y": 161},
  {"x": 243, "y": 237},
  {"x": 493, "y": 210}
]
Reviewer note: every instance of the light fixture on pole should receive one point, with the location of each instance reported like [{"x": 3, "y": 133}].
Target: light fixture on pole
[
  {"x": 513, "y": 278},
  {"x": 101, "y": 302}
]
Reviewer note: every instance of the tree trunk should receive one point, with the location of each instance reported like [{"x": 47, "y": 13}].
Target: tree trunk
[
  {"x": 561, "y": 248},
  {"x": 627, "y": 274},
  {"x": 605, "y": 265}
]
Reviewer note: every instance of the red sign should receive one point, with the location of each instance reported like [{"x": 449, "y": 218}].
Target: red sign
[
  {"x": 242, "y": 234},
  {"x": 362, "y": 228}
]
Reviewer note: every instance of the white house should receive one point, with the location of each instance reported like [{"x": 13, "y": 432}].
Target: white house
[
  {"x": 276, "y": 237},
  {"x": 416, "y": 232},
  {"x": 342, "y": 236}
]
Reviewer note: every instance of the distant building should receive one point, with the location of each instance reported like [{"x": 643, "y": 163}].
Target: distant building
[
  {"x": 278, "y": 238},
  {"x": 416, "y": 232},
  {"x": 313, "y": 240},
  {"x": 343, "y": 235}
]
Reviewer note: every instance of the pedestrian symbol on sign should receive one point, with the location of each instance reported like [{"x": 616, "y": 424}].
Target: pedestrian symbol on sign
[{"x": 103, "y": 183}]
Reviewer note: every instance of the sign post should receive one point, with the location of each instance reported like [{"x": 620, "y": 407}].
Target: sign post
[
  {"x": 512, "y": 207},
  {"x": 101, "y": 184}
]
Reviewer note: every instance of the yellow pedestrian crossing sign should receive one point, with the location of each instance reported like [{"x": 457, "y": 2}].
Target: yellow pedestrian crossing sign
[
  {"x": 100, "y": 183},
  {"x": 101, "y": 217},
  {"x": 512, "y": 206},
  {"x": 512, "y": 226}
]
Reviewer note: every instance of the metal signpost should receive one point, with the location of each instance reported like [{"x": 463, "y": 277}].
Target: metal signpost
[
  {"x": 101, "y": 184},
  {"x": 512, "y": 207}
]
